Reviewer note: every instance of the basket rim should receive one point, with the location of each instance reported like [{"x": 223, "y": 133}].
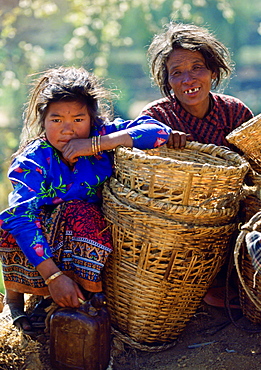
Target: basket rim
[
  {"x": 170, "y": 208},
  {"x": 232, "y": 136},
  {"x": 154, "y": 217},
  {"x": 240, "y": 163}
]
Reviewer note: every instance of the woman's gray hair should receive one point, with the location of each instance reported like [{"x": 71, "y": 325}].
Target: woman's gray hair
[{"x": 188, "y": 37}]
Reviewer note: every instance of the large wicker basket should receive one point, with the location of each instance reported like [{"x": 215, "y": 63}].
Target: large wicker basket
[
  {"x": 247, "y": 138},
  {"x": 159, "y": 270},
  {"x": 250, "y": 282},
  {"x": 201, "y": 175}
]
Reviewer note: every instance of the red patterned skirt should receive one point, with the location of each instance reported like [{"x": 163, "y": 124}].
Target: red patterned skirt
[{"x": 80, "y": 242}]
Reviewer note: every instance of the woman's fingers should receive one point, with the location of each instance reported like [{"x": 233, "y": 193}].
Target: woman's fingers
[{"x": 177, "y": 140}]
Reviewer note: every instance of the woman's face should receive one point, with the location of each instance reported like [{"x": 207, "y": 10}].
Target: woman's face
[
  {"x": 190, "y": 80},
  {"x": 66, "y": 120}
]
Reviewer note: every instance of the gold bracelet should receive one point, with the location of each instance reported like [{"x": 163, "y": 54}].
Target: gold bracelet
[
  {"x": 99, "y": 144},
  {"x": 96, "y": 145},
  {"x": 93, "y": 145},
  {"x": 53, "y": 276}
]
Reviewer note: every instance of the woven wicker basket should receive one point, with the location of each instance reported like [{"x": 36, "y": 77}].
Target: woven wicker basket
[
  {"x": 201, "y": 175},
  {"x": 175, "y": 212},
  {"x": 250, "y": 287},
  {"x": 159, "y": 270},
  {"x": 247, "y": 138}
]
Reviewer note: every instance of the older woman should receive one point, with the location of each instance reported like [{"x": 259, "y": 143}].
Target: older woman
[{"x": 186, "y": 62}]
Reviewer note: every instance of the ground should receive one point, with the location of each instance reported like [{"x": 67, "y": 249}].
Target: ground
[{"x": 210, "y": 341}]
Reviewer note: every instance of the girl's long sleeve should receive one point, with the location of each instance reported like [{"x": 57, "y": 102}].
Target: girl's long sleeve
[{"x": 146, "y": 132}]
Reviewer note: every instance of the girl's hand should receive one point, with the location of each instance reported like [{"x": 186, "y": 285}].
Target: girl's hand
[
  {"x": 177, "y": 140},
  {"x": 65, "y": 292},
  {"x": 76, "y": 148}
]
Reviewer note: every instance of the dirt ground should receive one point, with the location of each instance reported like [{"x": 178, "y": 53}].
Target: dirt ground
[{"x": 209, "y": 341}]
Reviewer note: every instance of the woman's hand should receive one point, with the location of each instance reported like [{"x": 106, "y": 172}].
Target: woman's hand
[{"x": 177, "y": 140}]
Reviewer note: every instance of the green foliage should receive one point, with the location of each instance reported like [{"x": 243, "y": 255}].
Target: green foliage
[
  {"x": 37, "y": 34},
  {"x": 111, "y": 38}
]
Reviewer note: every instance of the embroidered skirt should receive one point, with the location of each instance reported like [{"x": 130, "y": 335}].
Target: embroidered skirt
[{"x": 80, "y": 242}]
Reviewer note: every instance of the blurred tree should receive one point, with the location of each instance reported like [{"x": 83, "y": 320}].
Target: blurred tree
[{"x": 108, "y": 36}]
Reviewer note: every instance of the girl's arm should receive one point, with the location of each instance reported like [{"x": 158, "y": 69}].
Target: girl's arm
[
  {"x": 142, "y": 133},
  {"x": 28, "y": 175},
  {"x": 83, "y": 147}
]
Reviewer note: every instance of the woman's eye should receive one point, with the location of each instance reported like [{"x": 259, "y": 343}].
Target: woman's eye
[
  {"x": 175, "y": 73},
  {"x": 199, "y": 67}
]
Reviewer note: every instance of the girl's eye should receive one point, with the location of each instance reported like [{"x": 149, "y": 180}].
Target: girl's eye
[
  {"x": 78, "y": 120},
  {"x": 56, "y": 120}
]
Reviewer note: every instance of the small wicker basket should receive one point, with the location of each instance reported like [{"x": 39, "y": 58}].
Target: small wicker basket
[
  {"x": 250, "y": 282},
  {"x": 201, "y": 175},
  {"x": 159, "y": 270},
  {"x": 175, "y": 212},
  {"x": 247, "y": 137}
]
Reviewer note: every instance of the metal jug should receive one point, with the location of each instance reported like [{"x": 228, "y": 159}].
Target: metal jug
[{"x": 80, "y": 338}]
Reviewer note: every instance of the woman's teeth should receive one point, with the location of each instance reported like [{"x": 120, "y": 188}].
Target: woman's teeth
[{"x": 191, "y": 90}]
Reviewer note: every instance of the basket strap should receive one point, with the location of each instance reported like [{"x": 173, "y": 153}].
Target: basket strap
[
  {"x": 227, "y": 306},
  {"x": 252, "y": 224}
]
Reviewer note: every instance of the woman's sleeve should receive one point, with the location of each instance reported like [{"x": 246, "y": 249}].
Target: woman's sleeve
[
  {"x": 146, "y": 132},
  {"x": 21, "y": 219}
]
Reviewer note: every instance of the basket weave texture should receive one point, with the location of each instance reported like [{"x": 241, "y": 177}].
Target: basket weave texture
[
  {"x": 169, "y": 210},
  {"x": 250, "y": 282},
  {"x": 159, "y": 270},
  {"x": 201, "y": 175},
  {"x": 247, "y": 137}
]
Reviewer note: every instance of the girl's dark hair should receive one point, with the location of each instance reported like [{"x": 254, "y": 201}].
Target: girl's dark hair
[
  {"x": 63, "y": 84},
  {"x": 189, "y": 37}
]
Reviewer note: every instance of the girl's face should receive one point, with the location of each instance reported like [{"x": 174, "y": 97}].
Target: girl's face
[
  {"x": 190, "y": 80},
  {"x": 66, "y": 120}
]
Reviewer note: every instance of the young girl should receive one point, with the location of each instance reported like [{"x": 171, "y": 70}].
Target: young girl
[{"x": 55, "y": 241}]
